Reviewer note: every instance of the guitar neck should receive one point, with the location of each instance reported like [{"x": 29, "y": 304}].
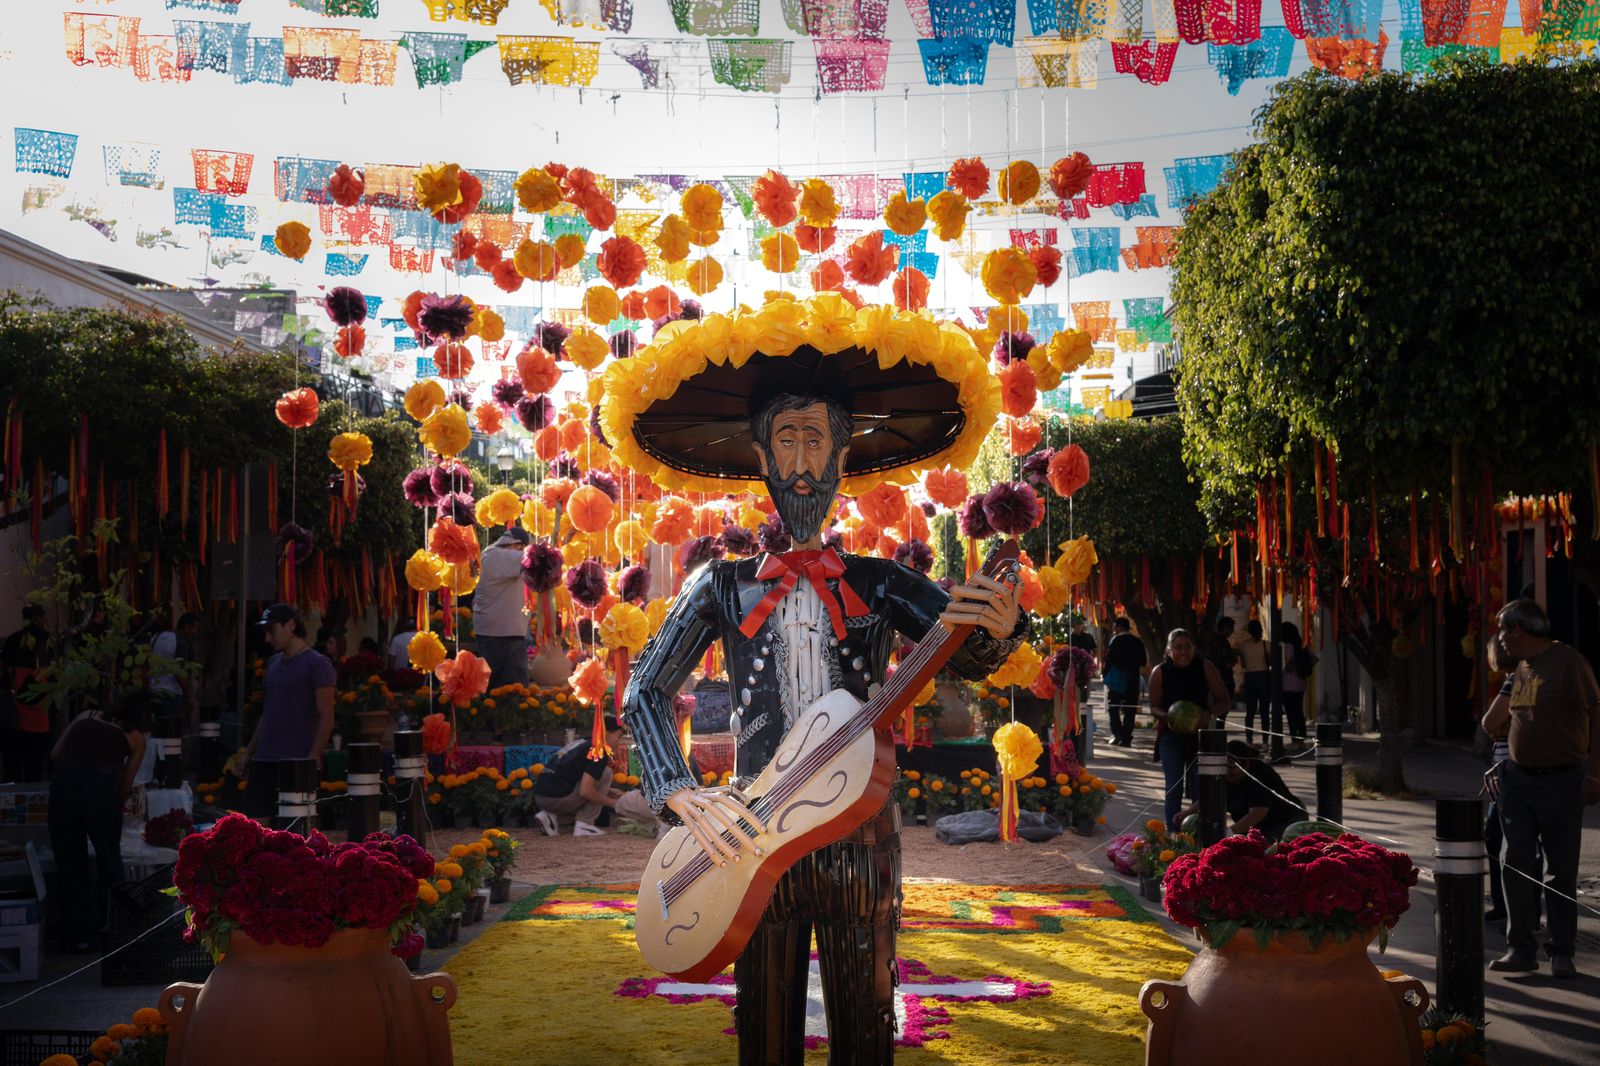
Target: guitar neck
[{"x": 934, "y": 650}]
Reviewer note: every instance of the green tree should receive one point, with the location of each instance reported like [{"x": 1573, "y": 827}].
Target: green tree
[{"x": 1387, "y": 272}]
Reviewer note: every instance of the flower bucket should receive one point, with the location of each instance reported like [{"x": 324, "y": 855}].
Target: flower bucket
[{"x": 350, "y": 1000}]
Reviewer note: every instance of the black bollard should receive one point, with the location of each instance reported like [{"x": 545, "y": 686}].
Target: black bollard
[
  {"x": 1213, "y": 773},
  {"x": 208, "y": 748},
  {"x": 1330, "y": 772},
  {"x": 297, "y": 795},
  {"x": 1459, "y": 864},
  {"x": 168, "y": 737},
  {"x": 363, "y": 779},
  {"x": 410, "y": 765}
]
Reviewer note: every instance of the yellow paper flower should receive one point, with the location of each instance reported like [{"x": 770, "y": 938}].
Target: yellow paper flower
[
  {"x": 537, "y": 261},
  {"x": 537, "y": 518},
  {"x": 1008, "y": 275},
  {"x": 1017, "y": 749},
  {"x": 293, "y": 239},
  {"x": 780, "y": 253},
  {"x": 460, "y": 578},
  {"x": 569, "y": 250},
  {"x": 1020, "y": 669},
  {"x": 1019, "y": 182},
  {"x": 350, "y": 450},
  {"x": 586, "y": 349},
  {"x": 424, "y": 398},
  {"x": 1076, "y": 560},
  {"x": 704, "y": 275},
  {"x": 818, "y": 207},
  {"x": 948, "y": 210},
  {"x": 655, "y": 612},
  {"x": 490, "y": 326},
  {"x": 446, "y": 432},
  {"x": 903, "y": 216},
  {"x": 1056, "y": 591},
  {"x": 1070, "y": 349},
  {"x": 600, "y": 305},
  {"x": 704, "y": 238},
  {"x": 1045, "y": 374},
  {"x": 625, "y": 626},
  {"x": 631, "y": 538},
  {"x": 424, "y": 571},
  {"x": 831, "y": 324},
  {"x": 500, "y": 508},
  {"x": 702, "y": 207},
  {"x": 673, "y": 239},
  {"x": 438, "y": 186},
  {"x": 425, "y": 651},
  {"x": 537, "y": 190}
]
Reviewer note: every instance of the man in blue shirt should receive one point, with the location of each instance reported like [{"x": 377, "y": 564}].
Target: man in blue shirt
[{"x": 296, "y": 709}]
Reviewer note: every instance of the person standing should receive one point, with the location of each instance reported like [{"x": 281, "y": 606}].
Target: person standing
[
  {"x": 400, "y": 646},
  {"x": 1220, "y": 653},
  {"x": 1257, "y": 690},
  {"x": 1084, "y": 641},
  {"x": 498, "y": 619},
  {"x": 1553, "y": 772},
  {"x": 180, "y": 696},
  {"x": 1494, "y": 836},
  {"x": 1182, "y": 676},
  {"x": 25, "y": 656},
  {"x": 1298, "y": 662},
  {"x": 95, "y": 763},
  {"x": 296, "y": 709},
  {"x": 1125, "y": 663}
]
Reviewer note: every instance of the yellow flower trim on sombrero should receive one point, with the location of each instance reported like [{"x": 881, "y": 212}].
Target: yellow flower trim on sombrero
[{"x": 827, "y": 322}]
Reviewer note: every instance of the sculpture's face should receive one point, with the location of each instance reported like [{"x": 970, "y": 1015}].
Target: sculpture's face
[{"x": 802, "y": 465}]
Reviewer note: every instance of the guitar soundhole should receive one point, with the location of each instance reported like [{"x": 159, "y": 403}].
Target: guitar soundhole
[
  {"x": 669, "y": 861},
  {"x": 839, "y": 777},
  {"x": 681, "y": 928},
  {"x": 787, "y": 759}
]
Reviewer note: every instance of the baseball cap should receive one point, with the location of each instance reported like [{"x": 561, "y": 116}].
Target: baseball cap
[{"x": 278, "y": 612}]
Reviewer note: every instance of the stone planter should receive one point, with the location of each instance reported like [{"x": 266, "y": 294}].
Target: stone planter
[
  {"x": 1242, "y": 1003},
  {"x": 267, "y": 1004}
]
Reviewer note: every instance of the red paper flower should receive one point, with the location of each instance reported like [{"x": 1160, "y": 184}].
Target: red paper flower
[
  {"x": 1018, "y": 389},
  {"x": 911, "y": 289},
  {"x": 411, "y": 309},
  {"x": 869, "y": 262},
  {"x": 969, "y": 177},
  {"x": 463, "y": 245},
  {"x": 1022, "y": 435},
  {"x": 621, "y": 261},
  {"x": 1047, "y": 262},
  {"x": 297, "y": 408},
  {"x": 453, "y": 360},
  {"x": 349, "y": 341},
  {"x": 486, "y": 254},
  {"x": 345, "y": 186},
  {"x": 453, "y": 543},
  {"x": 537, "y": 369},
  {"x": 1070, "y": 175},
  {"x": 435, "y": 734},
  {"x": 1069, "y": 470},
  {"x": 827, "y": 275},
  {"x": 471, "y": 197},
  {"x": 506, "y": 276},
  {"x": 814, "y": 240},
  {"x": 775, "y": 197},
  {"x": 660, "y": 302}
]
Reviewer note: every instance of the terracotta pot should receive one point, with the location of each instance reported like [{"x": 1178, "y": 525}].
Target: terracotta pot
[
  {"x": 1245, "y": 1004},
  {"x": 350, "y": 1000},
  {"x": 550, "y": 667},
  {"x": 955, "y": 717},
  {"x": 372, "y": 724}
]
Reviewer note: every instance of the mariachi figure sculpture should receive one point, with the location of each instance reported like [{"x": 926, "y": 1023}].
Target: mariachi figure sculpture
[{"x": 797, "y": 627}]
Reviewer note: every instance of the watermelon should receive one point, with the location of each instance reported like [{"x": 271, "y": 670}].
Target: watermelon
[
  {"x": 1184, "y": 716},
  {"x": 1190, "y": 824},
  {"x": 1300, "y": 829}
]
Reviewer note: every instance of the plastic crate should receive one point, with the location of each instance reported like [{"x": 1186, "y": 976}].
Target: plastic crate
[
  {"x": 159, "y": 958},
  {"x": 29, "y": 1047},
  {"x": 137, "y": 905}
]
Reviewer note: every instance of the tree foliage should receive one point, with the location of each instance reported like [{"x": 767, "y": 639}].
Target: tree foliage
[{"x": 1390, "y": 269}]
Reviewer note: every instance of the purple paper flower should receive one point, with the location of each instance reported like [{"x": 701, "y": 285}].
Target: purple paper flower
[
  {"x": 506, "y": 391},
  {"x": 587, "y": 583},
  {"x": 458, "y": 507},
  {"x": 772, "y": 536},
  {"x": 551, "y": 336},
  {"x": 462, "y": 398},
  {"x": 691, "y": 309},
  {"x": 595, "y": 430},
  {"x": 974, "y": 523},
  {"x": 1013, "y": 346},
  {"x": 445, "y": 317},
  {"x": 297, "y": 535},
  {"x": 535, "y": 412},
  {"x": 541, "y": 567},
  {"x": 1079, "y": 659},
  {"x": 418, "y": 487},
  {"x": 700, "y": 551},
  {"x": 1012, "y": 508},
  {"x": 624, "y": 344},
  {"x": 916, "y": 554},
  {"x": 1036, "y": 468},
  {"x": 928, "y": 508},
  {"x": 564, "y": 466},
  {"x": 346, "y": 306},
  {"x": 606, "y": 482},
  {"x": 451, "y": 477},
  {"x": 739, "y": 540},
  {"x": 633, "y": 584}
]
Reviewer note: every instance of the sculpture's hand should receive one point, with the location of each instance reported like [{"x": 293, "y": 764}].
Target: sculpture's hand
[
  {"x": 984, "y": 602},
  {"x": 713, "y": 816}
]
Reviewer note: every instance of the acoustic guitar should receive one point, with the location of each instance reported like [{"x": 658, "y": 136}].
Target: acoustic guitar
[{"x": 830, "y": 774}]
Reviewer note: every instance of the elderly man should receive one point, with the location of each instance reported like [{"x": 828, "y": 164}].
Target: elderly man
[
  {"x": 499, "y": 622},
  {"x": 1553, "y": 771},
  {"x": 796, "y": 626}
]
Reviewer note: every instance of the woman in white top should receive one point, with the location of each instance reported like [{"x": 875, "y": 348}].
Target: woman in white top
[{"x": 1257, "y": 689}]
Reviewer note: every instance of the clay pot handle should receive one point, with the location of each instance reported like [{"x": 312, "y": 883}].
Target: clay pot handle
[
  {"x": 1402, "y": 986},
  {"x": 177, "y": 1018},
  {"x": 1160, "y": 1001},
  {"x": 436, "y": 994}
]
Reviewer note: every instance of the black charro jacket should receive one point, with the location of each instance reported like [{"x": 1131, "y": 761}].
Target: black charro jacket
[{"x": 710, "y": 606}]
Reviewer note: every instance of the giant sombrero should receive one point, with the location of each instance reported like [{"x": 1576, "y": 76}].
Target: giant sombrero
[{"x": 919, "y": 392}]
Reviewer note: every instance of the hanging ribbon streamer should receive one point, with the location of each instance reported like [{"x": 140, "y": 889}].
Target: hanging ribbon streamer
[
  {"x": 205, "y": 514},
  {"x": 36, "y": 511},
  {"x": 619, "y": 674},
  {"x": 1415, "y": 561},
  {"x": 1455, "y": 499},
  {"x": 1316, "y": 489},
  {"x": 183, "y": 494},
  {"x": 272, "y": 497},
  {"x": 163, "y": 491}
]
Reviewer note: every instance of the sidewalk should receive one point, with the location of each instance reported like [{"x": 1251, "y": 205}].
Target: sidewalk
[{"x": 1533, "y": 1019}]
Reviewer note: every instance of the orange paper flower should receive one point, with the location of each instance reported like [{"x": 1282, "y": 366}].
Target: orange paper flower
[
  {"x": 600, "y": 304},
  {"x": 345, "y": 186},
  {"x": 485, "y": 254},
  {"x": 573, "y": 434},
  {"x": 490, "y": 416},
  {"x": 775, "y": 197},
  {"x": 537, "y": 369},
  {"x": 1018, "y": 390},
  {"x": 1022, "y": 435},
  {"x": 869, "y": 261},
  {"x": 1070, "y": 175},
  {"x": 349, "y": 341},
  {"x": 704, "y": 275},
  {"x": 505, "y": 275},
  {"x": 1019, "y": 182},
  {"x": 817, "y": 204},
  {"x": 661, "y": 301},
  {"x": 814, "y": 240},
  {"x": 948, "y": 210},
  {"x": 471, "y": 197},
  {"x": 826, "y": 276},
  {"x": 411, "y": 307},
  {"x": 569, "y": 250},
  {"x": 590, "y": 509},
  {"x": 1069, "y": 470},
  {"x": 556, "y": 491},
  {"x": 453, "y": 359},
  {"x": 946, "y": 487},
  {"x": 780, "y": 253},
  {"x": 435, "y": 736},
  {"x": 911, "y": 289},
  {"x": 547, "y": 443},
  {"x": 673, "y": 239},
  {"x": 882, "y": 506},
  {"x": 903, "y": 216},
  {"x": 632, "y": 305},
  {"x": 537, "y": 190},
  {"x": 537, "y": 261},
  {"x": 702, "y": 207},
  {"x": 621, "y": 261},
  {"x": 462, "y": 679},
  {"x": 453, "y": 543},
  {"x": 674, "y": 516},
  {"x": 293, "y": 239},
  {"x": 1046, "y": 264},
  {"x": 1008, "y": 275},
  {"x": 297, "y": 408},
  {"x": 969, "y": 177},
  {"x": 589, "y": 682}
]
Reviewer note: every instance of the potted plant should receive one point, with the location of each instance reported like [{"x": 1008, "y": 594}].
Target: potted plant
[
  {"x": 1154, "y": 851},
  {"x": 1081, "y": 800},
  {"x": 502, "y": 856},
  {"x": 1286, "y": 928},
  {"x": 364, "y": 700},
  {"x": 303, "y": 929},
  {"x": 168, "y": 830}
]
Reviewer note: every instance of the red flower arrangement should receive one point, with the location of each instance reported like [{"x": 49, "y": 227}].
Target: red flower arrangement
[
  {"x": 1315, "y": 884},
  {"x": 168, "y": 829},
  {"x": 282, "y": 888}
]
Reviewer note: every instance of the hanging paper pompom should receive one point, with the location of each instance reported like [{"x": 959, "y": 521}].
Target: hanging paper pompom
[
  {"x": 814, "y": 239},
  {"x": 445, "y": 432},
  {"x": 1022, "y": 435},
  {"x": 537, "y": 369},
  {"x": 1077, "y": 559},
  {"x": 345, "y": 305},
  {"x": 621, "y": 261},
  {"x": 586, "y": 348},
  {"x": 345, "y": 186},
  {"x": 471, "y": 197},
  {"x": 1070, "y": 349},
  {"x": 1046, "y": 263},
  {"x": 425, "y": 652},
  {"x": 418, "y": 488},
  {"x": 1017, "y": 750},
  {"x": 1069, "y": 175},
  {"x": 702, "y": 207},
  {"x": 590, "y": 509},
  {"x": 704, "y": 275},
  {"x": 915, "y": 554},
  {"x": 674, "y": 517},
  {"x": 500, "y": 508},
  {"x": 969, "y": 177},
  {"x": 292, "y": 239},
  {"x": 541, "y": 565},
  {"x": 780, "y": 253},
  {"x": 911, "y": 289},
  {"x": 948, "y": 211},
  {"x": 817, "y": 204},
  {"x": 1008, "y": 275},
  {"x": 946, "y": 487},
  {"x": 827, "y": 276},
  {"x": 772, "y": 536},
  {"x": 625, "y": 628},
  {"x": 297, "y": 408},
  {"x": 600, "y": 304},
  {"x": 586, "y": 583},
  {"x": 589, "y": 682},
  {"x": 462, "y": 679},
  {"x": 868, "y": 261},
  {"x": 453, "y": 542},
  {"x": 490, "y": 418},
  {"x": 1069, "y": 470},
  {"x": 424, "y": 398},
  {"x": 974, "y": 521},
  {"x": 424, "y": 570},
  {"x": 1035, "y": 468},
  {"x": 1018, "y": 392},
  {"x": 488, "y": 324},
  {"x": 775, "y": 197},
  {"x": 700, "y": 551},
  {"x": 633, "y": 584},
  {"x": 672, "y": 240},
  {"x": 463, "y": 246},
  {"x": 451, "y": 477},
  {"x": 882, "y": 505},
  {"x": 453, "y": 360},
  {"x": 537, "y": 260},
  {"x": 1019, "y": 182},
  {"x": 486, "y": 254},
  {"x": 1012, "y": 347},
  {"x": 437, "y": 185},
  {"x": 537, "y": 190},
  {"x": 739, "y": 541},
  {"x": 904, "y": 216},
  {"x": 445, "y": 316},
  {"x": 350, "y": 450}
]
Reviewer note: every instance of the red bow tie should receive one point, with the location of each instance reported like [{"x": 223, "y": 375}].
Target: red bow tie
[{"x": 817, "y": 567}]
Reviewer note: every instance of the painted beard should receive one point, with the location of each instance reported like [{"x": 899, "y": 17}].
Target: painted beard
[{"x": 803, "y": 514}]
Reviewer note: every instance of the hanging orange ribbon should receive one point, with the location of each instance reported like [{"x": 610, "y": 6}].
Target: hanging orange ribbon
[{"x": 817, "y": 567}]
